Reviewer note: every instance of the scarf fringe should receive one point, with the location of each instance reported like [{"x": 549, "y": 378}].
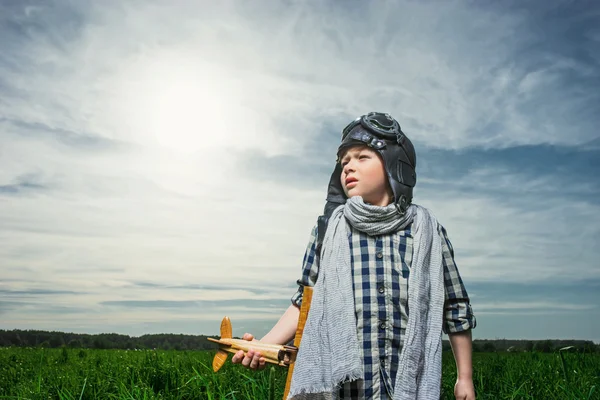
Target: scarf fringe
[{"x": 329, "y": 389}]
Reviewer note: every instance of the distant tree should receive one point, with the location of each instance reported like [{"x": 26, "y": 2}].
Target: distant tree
[
  {"x": 18, "y": 341},
  {"x": 529, "y": 345},
  {"x": 181, "y": 345},
  {"x": 100, "y": 343},
  {"x": 56, "y": 340},
  {"x": 545, "y": 346},
  {"x": 588, "y": 347},
  {"x": 489, "y": 347}
]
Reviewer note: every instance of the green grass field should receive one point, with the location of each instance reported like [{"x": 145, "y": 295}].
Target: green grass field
[{"x": 29, "y": 373}]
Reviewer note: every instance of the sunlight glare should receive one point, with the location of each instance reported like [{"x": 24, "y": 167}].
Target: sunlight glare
[{"x": 184, "y": 104}]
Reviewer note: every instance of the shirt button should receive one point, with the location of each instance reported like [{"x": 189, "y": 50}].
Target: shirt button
[
  {"x": 380, "y": 255},
  {"x": 382, "y": 325},
  {"x": 381, "y": 289}
]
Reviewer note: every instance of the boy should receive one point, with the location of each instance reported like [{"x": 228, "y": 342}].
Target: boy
[{"x": 385, "y": 282}]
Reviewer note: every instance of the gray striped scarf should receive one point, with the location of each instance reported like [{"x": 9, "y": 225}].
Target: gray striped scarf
[{"x": 329, "y": 352}]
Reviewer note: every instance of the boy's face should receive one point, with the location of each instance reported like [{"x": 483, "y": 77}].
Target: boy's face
[{"x": 363, "y": 174}]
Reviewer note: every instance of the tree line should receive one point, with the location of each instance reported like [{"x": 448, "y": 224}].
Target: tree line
[
  {"x": 54, "y": 339},
  {"x": 170, "y": 341},
  {"x": 542, "y": 346}
]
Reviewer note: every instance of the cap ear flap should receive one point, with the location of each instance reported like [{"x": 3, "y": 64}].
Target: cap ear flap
[
  {"x": 335, "y": 192},
  {"x": 406, "y": 174}
]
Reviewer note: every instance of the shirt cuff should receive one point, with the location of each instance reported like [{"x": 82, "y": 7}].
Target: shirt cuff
[
  {"x": 458, "y": 317},
  {"x": 297, "y": 297}
]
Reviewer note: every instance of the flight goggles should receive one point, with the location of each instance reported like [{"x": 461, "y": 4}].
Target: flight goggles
[{"x": 381, "y": 125}]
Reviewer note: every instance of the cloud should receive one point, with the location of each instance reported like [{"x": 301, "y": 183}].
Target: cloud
[
  {"x": 23, "y": 185},
  {"x": 519, "y": 240},
  {"x": 245, "y": 304},
  {"x": 541, "y": 199},
  {"x": 36, "y": 292},
  {"x": 216, "y": 64},
  {"x": 163, "y": 156}
]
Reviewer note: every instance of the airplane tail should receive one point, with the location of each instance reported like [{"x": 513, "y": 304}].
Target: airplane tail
[
  {"x": 219, "y": 360},
  {"x": 226, "y": 328},
  {"x": 221, "y": 356}
]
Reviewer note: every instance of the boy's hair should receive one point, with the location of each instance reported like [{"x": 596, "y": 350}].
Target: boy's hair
[
  {"x": 381, "y": 133},
  {"x": 342, "y": 151}
]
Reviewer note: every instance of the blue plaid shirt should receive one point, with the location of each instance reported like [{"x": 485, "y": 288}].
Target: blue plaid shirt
[{"x": 380, "y": 270}]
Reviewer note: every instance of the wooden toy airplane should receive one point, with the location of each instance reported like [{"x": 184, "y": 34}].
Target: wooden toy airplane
[{"x": 273, "y": 353}]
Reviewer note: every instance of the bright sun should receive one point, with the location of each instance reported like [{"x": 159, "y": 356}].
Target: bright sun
[{"x": 184, "y": 104}]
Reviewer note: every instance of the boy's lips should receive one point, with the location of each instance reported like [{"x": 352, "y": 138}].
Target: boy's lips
[{"x": 350, "y": 181}]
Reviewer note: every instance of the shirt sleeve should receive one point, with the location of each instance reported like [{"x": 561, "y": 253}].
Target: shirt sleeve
[
  {"x": 310, "y": 269},
  {"x": 458, "y": 314}
]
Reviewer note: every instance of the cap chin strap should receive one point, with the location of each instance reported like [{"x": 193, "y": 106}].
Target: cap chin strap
[{"x": 402, "y": 205}]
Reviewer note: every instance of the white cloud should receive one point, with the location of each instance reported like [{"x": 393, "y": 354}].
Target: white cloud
[
  {"x": 177, "y": 90},
  {"x": 524, "y": 307},
  {"x": 494, "y": 238},
  {"x": 196, "y": 76}
]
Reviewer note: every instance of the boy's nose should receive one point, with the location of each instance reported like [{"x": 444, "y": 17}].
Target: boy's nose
[{"x": 348, "y": 167}]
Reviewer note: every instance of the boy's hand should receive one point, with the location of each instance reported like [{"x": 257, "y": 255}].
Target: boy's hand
[
  {"x": 464, "y": 389},
  {"x": 253, "y": 359}
]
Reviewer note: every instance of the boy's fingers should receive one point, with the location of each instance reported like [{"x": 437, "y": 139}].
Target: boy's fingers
[
  {"x": 255, "y": 363},
  {"x": 237, "y": 357},
  {"x": 246, "y": 361},
  {"x": 248, "y": 336},
  {"x": 252, "y": 359},
  {"x": 248, "y": 358}
]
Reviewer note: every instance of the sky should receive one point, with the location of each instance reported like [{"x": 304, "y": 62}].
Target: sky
[{"x": 162, "y": 163}]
